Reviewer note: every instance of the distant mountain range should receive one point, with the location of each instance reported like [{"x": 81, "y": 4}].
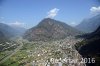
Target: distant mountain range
[
  {"x": 2, "y": 37},
  {"x": 7, "y": 32},
  {"x": 89, "y": 25},
  {"x": 19, "y": 30},
  {"x": 50, "y": 29},
  {"x": 90, "y": 47}
]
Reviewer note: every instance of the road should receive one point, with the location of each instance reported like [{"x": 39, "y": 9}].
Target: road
[{"x": 16, "y": 50}]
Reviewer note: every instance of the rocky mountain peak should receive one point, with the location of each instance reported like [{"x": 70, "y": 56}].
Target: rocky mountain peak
[{"x": 50, "y": 29}]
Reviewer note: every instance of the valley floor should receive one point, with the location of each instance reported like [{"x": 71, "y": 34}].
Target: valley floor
[{"x": 39, "y": 53}]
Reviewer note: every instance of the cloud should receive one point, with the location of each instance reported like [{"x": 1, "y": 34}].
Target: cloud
[
  {"x": 52, "y": 13},
  {"x": 95, "y": 10},
  {"x": 19, "y": 24},
  {"x": 73, "y": 23}
]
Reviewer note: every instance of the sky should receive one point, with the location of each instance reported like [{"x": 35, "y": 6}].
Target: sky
[{"x": 28, "y": 13}]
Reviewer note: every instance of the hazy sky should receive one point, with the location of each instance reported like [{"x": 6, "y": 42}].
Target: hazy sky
[{"x": 29, "y": 13}]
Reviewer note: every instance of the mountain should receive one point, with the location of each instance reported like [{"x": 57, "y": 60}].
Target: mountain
[
  {"x": 8, "y": 31},
  {"x": 89, "y": 25},
  {"x": 2, "y": 37},
  {"x": 50, "y": 29},
  {"x": 19, "y": 30},
  {"x": 90, "y": 47}
]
